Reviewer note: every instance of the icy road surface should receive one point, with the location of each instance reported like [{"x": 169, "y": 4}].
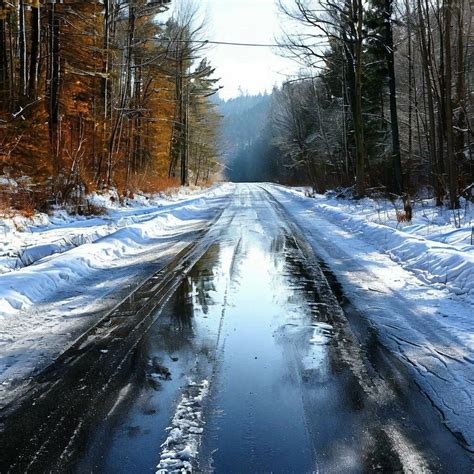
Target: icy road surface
[{"x": 238, "y": 357}]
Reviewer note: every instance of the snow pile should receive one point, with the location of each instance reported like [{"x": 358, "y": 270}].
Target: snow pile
[
  {"x": 85, "y": 242},
  {"x": 73, "y": 269},
  {"x": 438, "y": 224},
  {"x": 25, "y": 241},
  {"x": 181, "y": 447},
  {"x": 432, "y": 248},
  {"x": 431, "y": 262},
  {"x": 20, "y": 250},
  {"x": 111, "y": 199},
  {"x": 85, "y": 245}
]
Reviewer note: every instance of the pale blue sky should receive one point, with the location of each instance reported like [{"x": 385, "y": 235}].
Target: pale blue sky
[{"x": 248, "y": 21}]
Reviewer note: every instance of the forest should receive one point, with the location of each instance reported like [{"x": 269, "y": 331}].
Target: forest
[
  {"x": 118, "y": 93},
  {"x": 100, "y": 94},
  {"x": 236, "y": 236},
  {"x": 383, "y": 102}
]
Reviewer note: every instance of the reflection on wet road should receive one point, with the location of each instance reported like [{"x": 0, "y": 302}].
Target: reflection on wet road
[
  {"x": 248, "y": 367},
  {"x": 254, "y": 323},
  {"x": 249, "y": 320}
]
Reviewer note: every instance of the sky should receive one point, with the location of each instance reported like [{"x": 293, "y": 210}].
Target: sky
[{"x": 249, "y": 69}]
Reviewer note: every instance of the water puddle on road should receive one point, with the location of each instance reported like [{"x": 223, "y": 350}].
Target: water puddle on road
[{"x": 249, "y": 326}]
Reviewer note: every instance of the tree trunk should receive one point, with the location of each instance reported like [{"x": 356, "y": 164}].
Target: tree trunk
[
  {"x": 105, "y": 92},
  {"x": 34, "y": 53},
  {"x": 185, "y": 139},
  {"x": 448, "y": 108},
  {"x": 396, "y": 156},
  {"x": 53, "y": 82},
  {"x": 461, "y": 125},
  {"x": 426, "y": 60},
  {"x": 22, "y": 49},
  {"x": 116, "y": 134},
  {"x": 410, "y": 82},
  {"x": 4, "y": 74},
  {"x": 357, "y": 107}
]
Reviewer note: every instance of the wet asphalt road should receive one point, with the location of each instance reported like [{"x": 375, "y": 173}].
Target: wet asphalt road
[{"x": 294, "y": 383}]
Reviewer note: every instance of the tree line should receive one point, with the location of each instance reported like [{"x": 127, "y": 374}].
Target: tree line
[
  {"x": 382, "y": 101},
  {"x": 101, "y": 93}
]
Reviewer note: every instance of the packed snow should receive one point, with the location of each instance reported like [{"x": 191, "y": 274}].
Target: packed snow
[{"x": 181, "y": 447}]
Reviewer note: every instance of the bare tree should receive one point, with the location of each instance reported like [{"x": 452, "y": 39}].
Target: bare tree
[{"x": 342, "y": 22}]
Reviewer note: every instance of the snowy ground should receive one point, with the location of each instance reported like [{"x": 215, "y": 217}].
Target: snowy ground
[
  {"x": 415, "y": 285},
  {"x": 58, "y": 273},
  {"x": 24, "y": 241},
  {"x": 438, "y": 224},
  {"x": 438, "y": 245}
]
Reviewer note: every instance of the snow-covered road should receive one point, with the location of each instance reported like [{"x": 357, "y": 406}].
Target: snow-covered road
[
  {"x": 403, "y": 345},
  {"x": 428, "y": 325}
]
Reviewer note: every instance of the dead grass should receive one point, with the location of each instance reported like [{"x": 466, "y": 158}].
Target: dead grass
[
  {"x": 25, "y": 202},
  {"x": 152, "y": 184}
]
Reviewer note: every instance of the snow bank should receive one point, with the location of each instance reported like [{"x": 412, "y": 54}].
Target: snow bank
[
  {"x": 25, "y": 241},
  {"x": 91, "y": 245},
  {"x": 432, "y": 261}
]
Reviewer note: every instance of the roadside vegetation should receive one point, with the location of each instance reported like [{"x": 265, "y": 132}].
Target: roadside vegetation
[
  {"x": 381, "y": 105},
  {"x": 96, "y": 95}
]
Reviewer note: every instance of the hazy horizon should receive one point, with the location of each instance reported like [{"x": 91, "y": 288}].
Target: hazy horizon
[{"x": 245, "y": 69}]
